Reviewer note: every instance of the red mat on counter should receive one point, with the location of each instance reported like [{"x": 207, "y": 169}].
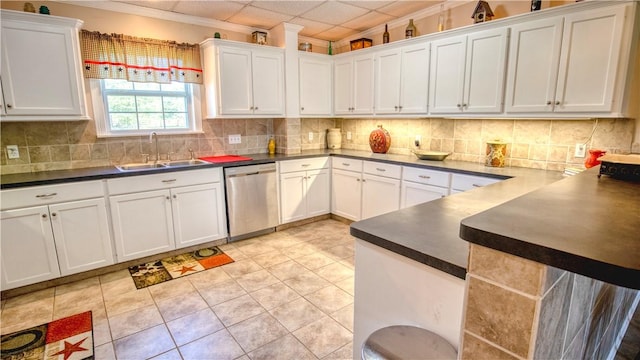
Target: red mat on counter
[{"x": 224, "y": 158}]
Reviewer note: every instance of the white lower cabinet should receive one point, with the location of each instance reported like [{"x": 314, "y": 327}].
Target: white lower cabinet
[
  {"x": 49, "y": 231},
  {"x": 346, "y": 188},
  {"x": 422, "y": 185},
  {"x": 380, "y": 188},
  {"x": 304, "y": 189},
  {"x": 179, "y": 209}
]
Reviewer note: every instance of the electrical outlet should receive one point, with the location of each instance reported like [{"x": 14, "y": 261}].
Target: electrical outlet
[
  {"x": 12, "y": 152},
  {"x": 235, "y": 139},
  {"x": 581, "y": 150},
  {"x": 348, "y": 135},
  {"x": 310, "y": 136}
]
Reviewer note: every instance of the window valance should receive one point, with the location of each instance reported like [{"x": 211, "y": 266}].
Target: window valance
[{"x": 117, "y": 56}]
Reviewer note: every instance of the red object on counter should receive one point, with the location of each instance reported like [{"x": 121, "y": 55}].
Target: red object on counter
[
  {"x": 224, "y": 158},
  {"x": 592, "y": 160}
]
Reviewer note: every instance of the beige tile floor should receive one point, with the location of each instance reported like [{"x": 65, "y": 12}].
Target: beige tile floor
[{"x": 288, "y": 295}]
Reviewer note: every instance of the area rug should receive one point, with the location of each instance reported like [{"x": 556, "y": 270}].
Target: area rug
[
  {"x": 172, "y": 267},
  {"x": 69, "y": 338}
]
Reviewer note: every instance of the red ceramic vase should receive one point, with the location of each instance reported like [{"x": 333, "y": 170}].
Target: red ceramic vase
[
  {"x": 380, "y": 140},
  {"x": 592, "y": 160}
]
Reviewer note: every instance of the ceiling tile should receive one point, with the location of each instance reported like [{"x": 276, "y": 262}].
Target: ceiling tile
[
  {"x": 371, "y": 5},
  {"x": 218, "y": 10},
  {"x": 260, "y": 18},
  {"x": 336, "y": 33},
  {"x": 294, "y": 8},
  {"x": 368, "y": 21},
  {"x": 334, "y": 13},
  {"x": 404, "y": 8},
  {"x": 311, "y": 27},
  {"x": 153, "y": 4}
]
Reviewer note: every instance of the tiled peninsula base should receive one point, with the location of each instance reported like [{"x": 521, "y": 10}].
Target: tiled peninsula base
[
  {"x": 521, "y": 309},
  {"x": 391, "y": 289}
]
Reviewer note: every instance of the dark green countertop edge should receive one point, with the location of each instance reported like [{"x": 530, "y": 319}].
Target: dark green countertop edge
[{"x": 10, "y": 181}]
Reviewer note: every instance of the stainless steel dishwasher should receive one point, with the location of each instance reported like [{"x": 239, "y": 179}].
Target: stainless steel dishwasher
[{"x": 252, "y": 202}]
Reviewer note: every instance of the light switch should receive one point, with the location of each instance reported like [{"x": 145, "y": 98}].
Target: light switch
[
  {"x": 12, "y": 152},
  {"x": 310, "y": 136}
]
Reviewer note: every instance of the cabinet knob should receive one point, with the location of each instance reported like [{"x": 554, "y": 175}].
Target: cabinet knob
[
  {"x": 255, "y": 108},
  {"x": 399, "y": 107},
  {"x": 54, "y": 214},
  {"x": 363, "y": 180},
  {"x": 175, "y": 196},
  {"x": 9, "y": 106},
  {"x": 168, "y": 198},
  {"x": 357, "y": 179},
  {"x": 557, "y": 102},
  {"x": 302, "y": 108},
  {"x": 396, "y": 107},
  {"x": 44, "y": 216},
  {"x": 459, "y": 105},
  {"x": 464, "y": 105},
  {"x": 548, "y": 102}
]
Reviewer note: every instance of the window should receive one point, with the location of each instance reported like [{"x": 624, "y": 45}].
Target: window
[{"x": 125, "y": 108}]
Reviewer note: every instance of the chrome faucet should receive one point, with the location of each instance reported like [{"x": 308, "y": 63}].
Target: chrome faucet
[{"x": 151, "y": 140}]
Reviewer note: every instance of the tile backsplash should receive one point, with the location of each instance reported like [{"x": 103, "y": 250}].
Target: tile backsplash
[{"x": 543, "y": 144}]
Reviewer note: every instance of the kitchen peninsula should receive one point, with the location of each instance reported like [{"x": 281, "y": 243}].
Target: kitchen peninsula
[{"x": 552, "y": 271}]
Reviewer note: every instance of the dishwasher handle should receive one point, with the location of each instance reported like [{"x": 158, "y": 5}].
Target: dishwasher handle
[{"x": 250, "y": 173}]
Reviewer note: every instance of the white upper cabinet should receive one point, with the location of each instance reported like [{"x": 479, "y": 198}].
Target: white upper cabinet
[
  {"x": 402, "y": 80},
  {"x": 353, "y": 85},
  {"x": 566, "y": 64},
  {"x": 41, "y": 68},
  {"x": 316, "y": 84},
  {"x": 243, "y": 79},
  {"x": 467, "y": 73}
]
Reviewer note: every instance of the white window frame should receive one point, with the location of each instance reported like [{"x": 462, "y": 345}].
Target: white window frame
[{"x": 103, "y": 130}]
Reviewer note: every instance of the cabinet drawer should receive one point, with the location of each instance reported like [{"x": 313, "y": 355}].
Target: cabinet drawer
[
  {"x": 382, "y": 169},
  {"x": 347, "y": 164},
  {"x": 468, "y": 182},
  {"x": 304, "y": 164},
  {"x": 48, "y": 194},
  {"x": 162, "y": 181},
  {"x": 426, "y": 176}
]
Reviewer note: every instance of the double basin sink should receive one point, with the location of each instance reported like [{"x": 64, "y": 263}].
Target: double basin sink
[{"x": 160, "y": 165}]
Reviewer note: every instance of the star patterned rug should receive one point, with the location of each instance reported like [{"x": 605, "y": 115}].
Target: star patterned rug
[
  {"x": 172, "y": 267},
  {"x": 69, "y": 338}
]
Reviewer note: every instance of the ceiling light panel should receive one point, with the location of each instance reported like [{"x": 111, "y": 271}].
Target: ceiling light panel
[
  {"x": 311, "y": 27},
  {"x": 159, "y": 5},
  {"x": 294, "y": 8},
  {"x": 404, "y": 8},
  {"x": 371, "y": 5},
  {"x": 368, "y": 21},
  {"x": 336, "y": 33}
]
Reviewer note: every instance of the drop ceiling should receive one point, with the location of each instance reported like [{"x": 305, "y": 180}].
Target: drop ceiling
[{"x": 324, "y": 20}]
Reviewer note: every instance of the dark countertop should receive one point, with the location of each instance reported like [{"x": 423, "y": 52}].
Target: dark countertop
[
  {"x": 428, "y": 233},
  {"x": 583, "y": 224},
  {"x": 84, "y": 174}
]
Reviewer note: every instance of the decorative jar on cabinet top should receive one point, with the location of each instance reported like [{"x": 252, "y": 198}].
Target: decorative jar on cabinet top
[
  {"x": 380, "y": 140},
  {"x": 334, "y": 139}
]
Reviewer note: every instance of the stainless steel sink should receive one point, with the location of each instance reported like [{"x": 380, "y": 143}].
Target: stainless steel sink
[
  {"x": 143, "y": 166},
  {"x": 185, "y": 163},
  {"x": 162, "y": 165}
]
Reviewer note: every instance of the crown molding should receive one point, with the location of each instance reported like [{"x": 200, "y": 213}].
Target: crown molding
[{"x": 162, "y": 15}]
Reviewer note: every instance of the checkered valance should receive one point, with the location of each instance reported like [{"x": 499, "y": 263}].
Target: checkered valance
[{"x": 117, "y": 56}]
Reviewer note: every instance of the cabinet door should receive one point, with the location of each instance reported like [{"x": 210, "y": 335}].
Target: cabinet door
[
  {"x": 446, "y": 78},
  {"x": 484, "y": 75},
  {"x": 316, "y": 80},
  {"x": 342, "y": 86},
  {"x": 82, "y": 238},
  {"x": 363, "y": 85},
  {"x": 268, "y": 82},
  {"x": 414, "y": 85},
  {"x": 589, "y": 60},
  {"x": 413, "y": 193},
  {"x": 534, "y": 54},
  {"x": 388, "y": 70},
  {"x": 198, "y": 214},
  {"x": 292, "y": 196},
  {"x": 40, "y": 69},
  {"x": 317, "y": 194},
  {"x": 346, "y": 195},
  {"x": 235, "y": 81},
  {"x": 142, "y": 224},
  {"x": 380, "y": 195},
  {"x": 27, "y": 250}
]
